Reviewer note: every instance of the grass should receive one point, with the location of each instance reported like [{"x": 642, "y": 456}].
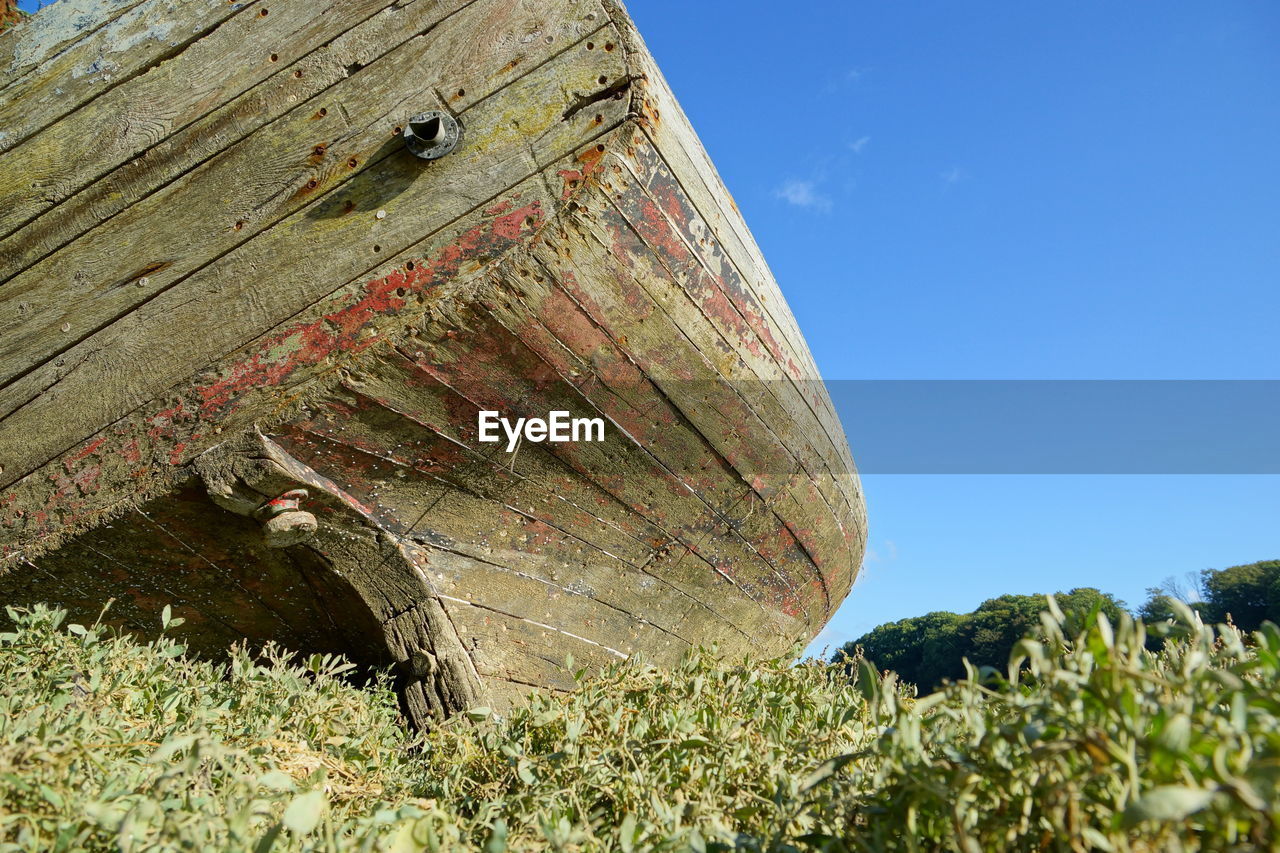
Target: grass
[{"x": 1087, "y": 741}]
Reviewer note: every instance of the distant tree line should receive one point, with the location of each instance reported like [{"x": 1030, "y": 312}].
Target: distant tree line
[
  {"x": 925, "y": 650},
  {"x": 1245, "y": 595}
]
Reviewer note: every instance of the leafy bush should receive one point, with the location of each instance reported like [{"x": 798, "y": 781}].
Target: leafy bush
[
  {"x": 1086, "y": 741},
  {"x": 105, "y": 743}
]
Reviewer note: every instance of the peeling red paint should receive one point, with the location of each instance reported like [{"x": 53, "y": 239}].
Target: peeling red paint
[
  {"x": 173, "y": 426},
  {"x": 309, "y": 344},
  {"x": 130, "y": 451},
  {"x": 661, "y": 184},
  {"x": 163, "y": 422},
  {"x": 579, "y": 341},
  {"x": 75, "y": 456},
  {"x": 592, "y": 161}
]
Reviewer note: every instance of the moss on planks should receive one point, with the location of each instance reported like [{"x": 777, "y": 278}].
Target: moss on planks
[
  {"x": 125, "y": 48},
  {"x": 302, "y": 258},
  {"x": 290, "y": 84},
  {"x": 320, "y": 145},
  {"x": 578, "y": 252}
]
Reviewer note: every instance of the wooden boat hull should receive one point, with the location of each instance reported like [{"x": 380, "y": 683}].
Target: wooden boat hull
[{"x": 277, "y": 295}]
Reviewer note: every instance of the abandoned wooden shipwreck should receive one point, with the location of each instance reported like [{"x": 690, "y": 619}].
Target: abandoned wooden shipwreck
[{"x": 263, "y": 263}]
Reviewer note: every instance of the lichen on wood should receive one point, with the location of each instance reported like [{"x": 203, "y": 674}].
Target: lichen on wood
[{"x": 228, "y": 281}]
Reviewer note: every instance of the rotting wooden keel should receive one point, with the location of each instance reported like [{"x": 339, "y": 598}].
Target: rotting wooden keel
[{"x": 224, "y": 279}]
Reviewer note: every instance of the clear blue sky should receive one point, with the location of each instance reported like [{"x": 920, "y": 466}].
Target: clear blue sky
[
  {"x": 985, "y": 190},
  {"x": 1083, "y": 190}
]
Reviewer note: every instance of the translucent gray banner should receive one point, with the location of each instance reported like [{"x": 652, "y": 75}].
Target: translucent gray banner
[{"x": 1061, "y": 427}]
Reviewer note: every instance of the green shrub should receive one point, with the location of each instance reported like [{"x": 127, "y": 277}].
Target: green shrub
[
  {"x": 106, "y": 744},
  {"x": 1087, "y": 741}
]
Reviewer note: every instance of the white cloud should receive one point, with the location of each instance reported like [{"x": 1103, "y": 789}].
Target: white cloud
[
  {"x": 802, "y": 194},
  {"x": 954, "y": 175},
  {"x": 858, "y": 144},
  {"x": 844, "y": 80}
]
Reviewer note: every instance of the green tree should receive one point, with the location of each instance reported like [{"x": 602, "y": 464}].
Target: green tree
[
  {"x": 1084, "y": 599},
  {"x": 922, "y": 650},
  {"x": 926, "y": 650},
  {"x": 1248, "y": 594},
  {"x": 990, "y": 631},
  {"x": 1158, "y": 607}
]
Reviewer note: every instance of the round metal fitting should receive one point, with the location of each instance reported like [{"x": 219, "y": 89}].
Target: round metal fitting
[{"x": 432, "y": 134}]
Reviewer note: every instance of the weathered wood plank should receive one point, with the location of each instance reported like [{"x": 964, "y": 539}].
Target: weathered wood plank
[
  {"x": 210, "y": 134},
  {"x": 643, "y": 237},
  {"x": 394, "y": 421},
  {"x": 585, "y": 599},
  {"x": 751, "y": 296},
  {"x": 304, "y": 355},
  {"x": 692, "y": 386},
  {"x": 749, "y": 366},
  {"x": 229, "y": 200},
  {"x": 663, "y": 473},
  {"x": 830, "y": 470},
  {"x": 522, "y": 651},
  {"x": 427, "y": 490},
  {"x": 712, "y": 212},
  {"x": 536, "y": 487},
  {"x": 507, "y": 139},
  {"x": 584, "y": 356},
  {"x": 129, "y": 460},
  {"x": 128, "y": 119},
  {"x": 662, "y": 119},
  {"x": 55, "y": 29},
  {"x": 130, "y": 44},
  {"x": 665, "y": 218},
  {"x": 654, "y": 472},
  {"x": 726, "y": 257}
]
